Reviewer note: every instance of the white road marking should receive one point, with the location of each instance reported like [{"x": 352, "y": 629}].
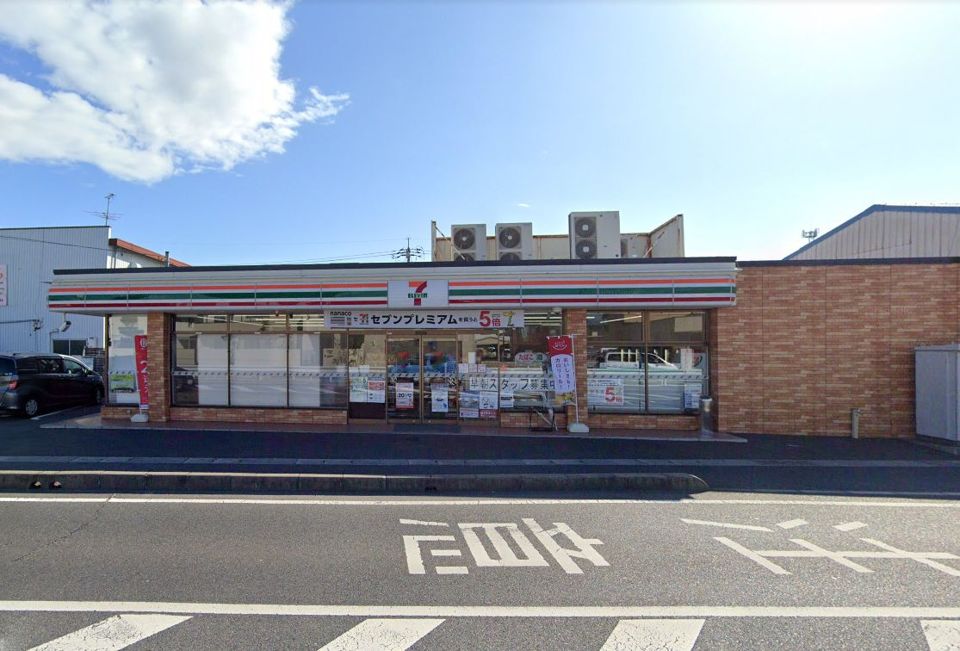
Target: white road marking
[
  {"x": 752, "y": 555},
  {"x": 942, "y": 635},
  {"x": 456, "y": 611},
  {"x": 836, "y": 557},
  {"x": 452, "y": 569},
  {"x": 792, "y": 524},
  {"x": 507, "y": 557},
  {"x": 411, "y": 549},
  {"x": 445, "y": 552},
  {"x": 725, "y": 525},
  {"x": 920, "y": 557},
  {"x": 584, "y": 546},
  {"x": 487, "y": 502},
  {"x": 423, "y": 523},
  {"x": 117, "y": 632},
  {"x": 849, "y": 526},
  {"x": 654, "y": 635},
  {"x": 383, "y": 635}
]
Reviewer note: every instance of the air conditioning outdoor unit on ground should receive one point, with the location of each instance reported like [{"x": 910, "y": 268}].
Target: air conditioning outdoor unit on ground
[
  {"x": 595, "y": 235},
  {"x": 515, "y": 241},
  {"x": 634, "y": 245},
  {"x": 469, "y": 242}
]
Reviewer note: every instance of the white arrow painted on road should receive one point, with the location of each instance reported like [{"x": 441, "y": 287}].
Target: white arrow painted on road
[
  {"x": 117, "y": 632},
  {"x": 383, "y": 635},
  {"x": 654, "y": 635},
  {"x": 942, "y": 635}
]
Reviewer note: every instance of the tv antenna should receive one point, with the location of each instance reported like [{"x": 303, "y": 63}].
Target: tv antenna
[
  {"x": 810, "y": 235},
  {"x": 407, "y": 253},
  {"x": 106, "y": 215}
]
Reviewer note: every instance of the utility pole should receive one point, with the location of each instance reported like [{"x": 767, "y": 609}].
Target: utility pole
[{"x": 407, "y": 253}]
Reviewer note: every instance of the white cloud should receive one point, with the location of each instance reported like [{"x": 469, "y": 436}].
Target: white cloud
[
  {"x": 146, "y": 89},
  {"x": 523, "y": 205}
]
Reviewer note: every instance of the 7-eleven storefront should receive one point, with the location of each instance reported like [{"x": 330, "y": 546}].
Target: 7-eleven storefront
[{"x": 461, "y": 343}]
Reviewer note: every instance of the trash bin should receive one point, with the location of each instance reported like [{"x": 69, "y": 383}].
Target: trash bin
[{"x": 706, "y": 415}]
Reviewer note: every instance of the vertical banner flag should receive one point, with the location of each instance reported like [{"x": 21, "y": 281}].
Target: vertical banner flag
[
  {"x": 561, "y": 361},
  {"x": 140, "y": 351}
]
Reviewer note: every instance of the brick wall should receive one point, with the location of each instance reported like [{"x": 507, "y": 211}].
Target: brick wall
[
  {"x": 158, "y": 364},
  {"x": 254, "y": 415},
  {"x": 808, "y": 343}
]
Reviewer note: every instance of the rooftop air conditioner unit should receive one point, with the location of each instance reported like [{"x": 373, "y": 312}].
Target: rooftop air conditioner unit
[
  {"x": 634, "y": 245},
  {"x": 594, "y": 235},
  {"x": 515, "y": 242},
  {"x": 469, "y": 242}
]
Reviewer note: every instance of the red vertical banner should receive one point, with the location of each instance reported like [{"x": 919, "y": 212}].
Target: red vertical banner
[
  {"x": 140, "y": 353},
  {"x": 561, "y": 361}
]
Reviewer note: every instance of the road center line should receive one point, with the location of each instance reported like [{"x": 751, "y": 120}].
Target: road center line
[{"x": 456, "y": 611}]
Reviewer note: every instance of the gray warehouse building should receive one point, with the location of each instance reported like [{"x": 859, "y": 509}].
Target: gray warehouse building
[{"x": 884, "y": 231}]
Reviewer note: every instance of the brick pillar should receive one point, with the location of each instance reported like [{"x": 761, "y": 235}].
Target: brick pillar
[
  {"x": 575, "y": 323},
  {"x": 158, "y": 365}
]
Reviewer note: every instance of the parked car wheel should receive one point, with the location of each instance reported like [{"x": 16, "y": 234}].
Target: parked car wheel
[
  {"x": 31, "y": 407},
  {"x": 98, "y": 396}
]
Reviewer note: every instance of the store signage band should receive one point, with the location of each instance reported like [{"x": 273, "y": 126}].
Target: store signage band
[{"x": 423, "y": 319}]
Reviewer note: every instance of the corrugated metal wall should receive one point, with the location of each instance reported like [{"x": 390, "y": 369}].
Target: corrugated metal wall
[
  {"x": 31, "y": 255},
  {"x": 893, "y": 233}
]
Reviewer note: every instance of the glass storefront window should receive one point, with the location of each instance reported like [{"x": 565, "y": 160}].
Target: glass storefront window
[
  {"x": 318, "y": 370},
  {"x": 646, "y": 362},
  {"x": 258, "y": 370},
  {"x": 367, "y": 366},
  {"x": 201, "y": 323},
  {"x": 258, "y": 323},
  {"x": 121, "y": 363},
  {"x": 200, "y": 369}
]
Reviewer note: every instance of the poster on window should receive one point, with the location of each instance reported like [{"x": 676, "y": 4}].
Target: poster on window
[
  {"x": 404, "y": 395},
  {"x": 439, "y": 399},
  {"x": 605, "y": 392},
  {"x": 358, "y": 388},
  {"x": 469, "y": 404},
  {"x": 489, "y": 400},
  {"x": 561, "y": 362},
  {"x": 140, "y": 354},
  {"x": 691, "y": 396},
  {"x": 376, "y": 390}
]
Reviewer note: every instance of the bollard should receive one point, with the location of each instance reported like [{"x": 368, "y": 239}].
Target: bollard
[{"x": 855, "y": 423}]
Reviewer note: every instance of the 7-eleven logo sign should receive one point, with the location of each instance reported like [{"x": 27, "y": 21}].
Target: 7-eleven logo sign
[{"x": 417, "y": 293}]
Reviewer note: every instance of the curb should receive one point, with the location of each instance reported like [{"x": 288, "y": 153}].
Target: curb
[{"x": 213, "y": 482}]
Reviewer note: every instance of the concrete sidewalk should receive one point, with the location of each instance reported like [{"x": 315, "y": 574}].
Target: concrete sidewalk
[{"x": 54, "y": 449}]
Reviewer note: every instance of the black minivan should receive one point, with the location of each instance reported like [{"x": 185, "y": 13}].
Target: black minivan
[{"x": 31, "y": 383}]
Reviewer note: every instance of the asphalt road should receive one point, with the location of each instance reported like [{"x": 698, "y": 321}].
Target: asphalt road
[{"x": 734, "y": 570}]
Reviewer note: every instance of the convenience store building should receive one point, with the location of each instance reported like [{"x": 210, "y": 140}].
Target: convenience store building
[{"x": 781, "y": 347}]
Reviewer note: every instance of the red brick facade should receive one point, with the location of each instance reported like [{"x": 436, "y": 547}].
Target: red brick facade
[{"x": 807, "y": 343}]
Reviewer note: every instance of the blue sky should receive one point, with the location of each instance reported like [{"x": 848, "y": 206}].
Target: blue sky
[{"x": 753, "y": 120}]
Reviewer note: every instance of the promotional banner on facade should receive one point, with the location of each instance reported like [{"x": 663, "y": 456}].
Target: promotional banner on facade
[
  {"x": 3, "y": 285},
  {"x": 423, "y": 319},
  {"x": 561, "y": 361},
  {"x": 140, "y": 352}
]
